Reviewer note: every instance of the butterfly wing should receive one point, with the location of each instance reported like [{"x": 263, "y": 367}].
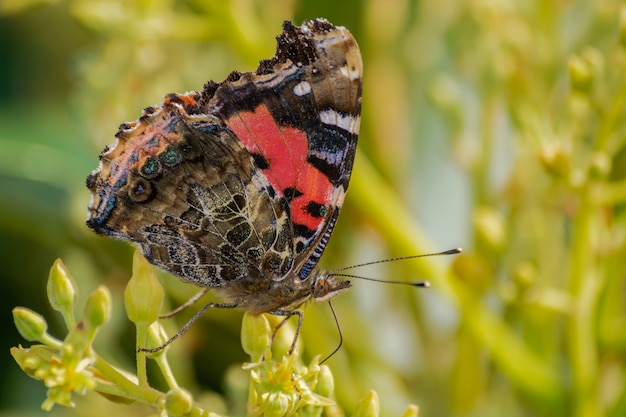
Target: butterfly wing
[
  {"x": 188, "y": 193},
  {"x": 299, "y": 117},
  {"x": 245, "y": 179}
]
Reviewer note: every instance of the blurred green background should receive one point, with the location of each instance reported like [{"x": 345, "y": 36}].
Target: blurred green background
[{"x": 496, "y": 125}]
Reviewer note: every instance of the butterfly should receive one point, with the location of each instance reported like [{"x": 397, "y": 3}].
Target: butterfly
[{"x": 237, "y": 188}]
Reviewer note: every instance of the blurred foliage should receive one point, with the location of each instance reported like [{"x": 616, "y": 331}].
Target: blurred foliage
[{"x": 490, "y": 124}]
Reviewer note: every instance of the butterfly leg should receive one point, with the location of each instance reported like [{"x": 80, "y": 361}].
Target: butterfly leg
[
  {"x": 287, "y": 314},
  {"x": 188, "y": 303},
  {"x": 187, "y": 326}
]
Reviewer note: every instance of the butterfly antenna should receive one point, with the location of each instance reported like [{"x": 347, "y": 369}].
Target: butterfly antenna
[
  {"x": 332, "y": 309},
  {"x": 400, "y": 258},
  {"x": 423, "y": 284}
]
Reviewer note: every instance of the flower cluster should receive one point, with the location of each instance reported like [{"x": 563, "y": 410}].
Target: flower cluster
[
  {"x": 278, "y": 387},
  {"x": 285, "y": 387},
  {"x": 63, "y": 366}
]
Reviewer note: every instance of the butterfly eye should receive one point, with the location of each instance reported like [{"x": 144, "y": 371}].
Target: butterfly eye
[{"x": 320, "y": 288}]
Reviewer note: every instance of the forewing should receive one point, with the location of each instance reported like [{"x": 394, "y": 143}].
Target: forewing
[{"x": 186, "y": 190}]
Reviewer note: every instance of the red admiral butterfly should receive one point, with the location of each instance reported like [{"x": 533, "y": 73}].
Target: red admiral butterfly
[{"x": 238, "y": 187}]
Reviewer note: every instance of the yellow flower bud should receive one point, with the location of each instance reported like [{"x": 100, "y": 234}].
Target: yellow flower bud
[
  {"x": 98, "y": 307},
  {"x": 368, "y": 406},
  {"x": 178, "y": 402},
  {"x": 411, "y": 411},
  {"x": 255, "y": 335},
  {"x": 31, "y": 325},
  {"x": 143, "y": 297}
]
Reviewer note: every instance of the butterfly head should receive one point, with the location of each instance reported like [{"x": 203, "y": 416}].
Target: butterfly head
[{"x": 326, "y": 286}]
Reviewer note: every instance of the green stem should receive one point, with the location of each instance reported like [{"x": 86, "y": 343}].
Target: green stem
[
  {"x": 127, "y": 388},
  {"x": 166, "y": 370},
  {"x": 52, "y": 342},
  {"x": 584, "y": 288},
  {"x": 142, "y": 337},
  {"x": 110, "y": 389},
  {"x": 68, "y": 317}
]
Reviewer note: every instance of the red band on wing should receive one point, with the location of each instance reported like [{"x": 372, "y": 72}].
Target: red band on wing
[{"x": 285, "y": 149}]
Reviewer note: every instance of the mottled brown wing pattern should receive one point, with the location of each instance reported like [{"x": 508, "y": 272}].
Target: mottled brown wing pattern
[{"x": 187, "y": 193}]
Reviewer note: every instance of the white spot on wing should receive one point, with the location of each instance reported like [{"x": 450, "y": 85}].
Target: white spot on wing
[
  {"x": 343, "y": 121},
  {"x": 351, "y": 75},
  {"x": 302, "y": 88}
]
